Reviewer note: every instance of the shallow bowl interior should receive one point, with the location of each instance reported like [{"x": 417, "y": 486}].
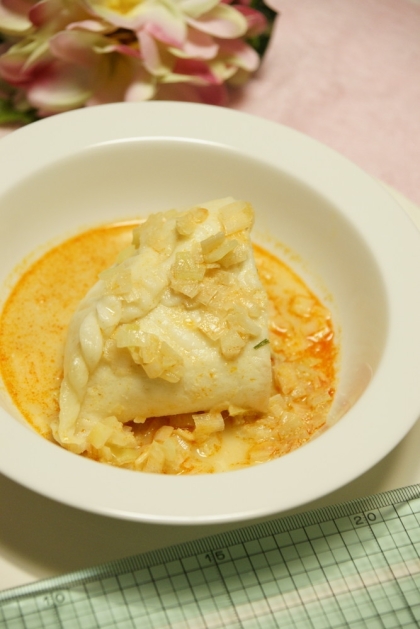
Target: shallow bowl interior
[{"x": 331, "y": 222}]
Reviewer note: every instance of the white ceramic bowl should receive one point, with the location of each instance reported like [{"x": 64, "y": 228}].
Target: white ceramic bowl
[{"x": 353, "y": 243}]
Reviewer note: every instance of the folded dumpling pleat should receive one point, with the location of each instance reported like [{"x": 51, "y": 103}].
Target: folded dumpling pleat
[{"x": 177, "y": 325}]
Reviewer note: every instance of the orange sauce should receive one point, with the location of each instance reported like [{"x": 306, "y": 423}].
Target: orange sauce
[{"x": 35, "y": 317}]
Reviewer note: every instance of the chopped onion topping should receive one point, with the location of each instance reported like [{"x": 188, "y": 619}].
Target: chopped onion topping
[
  {"x": 156, "y": 357},
  {"x": 231, "y": 344},
  {"x": 237, "y": 216},
  {"x": 187, "y": 223}
]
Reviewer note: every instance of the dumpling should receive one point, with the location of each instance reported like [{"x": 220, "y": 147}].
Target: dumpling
[{"x": 178, "y": 325}]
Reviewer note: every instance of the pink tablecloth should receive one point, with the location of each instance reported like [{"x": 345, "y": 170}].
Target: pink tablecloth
[{"x": 347, "y": 72}]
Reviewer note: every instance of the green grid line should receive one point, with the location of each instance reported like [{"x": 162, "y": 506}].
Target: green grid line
[{"x": 351, "y": 565}]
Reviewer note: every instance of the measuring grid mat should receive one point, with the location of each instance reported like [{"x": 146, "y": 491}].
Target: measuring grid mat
[{"x": 350, "y": 565}]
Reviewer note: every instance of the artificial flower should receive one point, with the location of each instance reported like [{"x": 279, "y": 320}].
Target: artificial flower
[{"x": 58, "y": 55}]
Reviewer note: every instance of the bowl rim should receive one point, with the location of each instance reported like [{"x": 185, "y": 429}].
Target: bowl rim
[{"x": 316, "y": 469}]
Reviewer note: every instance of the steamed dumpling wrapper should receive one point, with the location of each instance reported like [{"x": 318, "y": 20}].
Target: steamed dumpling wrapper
[{"x": 176, "y": 326}]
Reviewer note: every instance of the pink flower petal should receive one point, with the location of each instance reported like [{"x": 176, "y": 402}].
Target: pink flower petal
[
  {"x": 94, "y": 26},
  {"x": 195, "y": 8},
  {"x": 14, "y": 17},
  {"x": 237, "y": 52},
  {"x": 75, "y": 47},
  {"x": 43, "y": 11},
  {"x": 195, "y": 69},
  {"x": 257, "y": 22},
  {"x": 212, "y": 94},
  {"x": 12, "y": 69},
  {"x": 149, "y": 51},
  {"x": 198, "y": 45},
  {"x": 59, "y": 88},
  {"x": 57, "y": 13},
  {"x": 24, "y": 58},
  {"x": 222, "y": 21},
  {"x": 156, "y": 60},
  {"x": 207, "y": 94},
  {"x": 164, "y": 23},
  {"x": 141, "y": 88},
  {"x": 165, "y": 34}
]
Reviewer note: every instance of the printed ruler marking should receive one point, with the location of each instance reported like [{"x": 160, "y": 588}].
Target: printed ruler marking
[{"x": 350, "y": 565}]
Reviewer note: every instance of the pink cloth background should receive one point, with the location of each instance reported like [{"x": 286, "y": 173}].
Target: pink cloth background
[{"x": 347, "y": 72}]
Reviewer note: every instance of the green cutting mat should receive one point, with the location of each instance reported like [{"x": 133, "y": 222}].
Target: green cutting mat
[{"x": 351, "y": 565}]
